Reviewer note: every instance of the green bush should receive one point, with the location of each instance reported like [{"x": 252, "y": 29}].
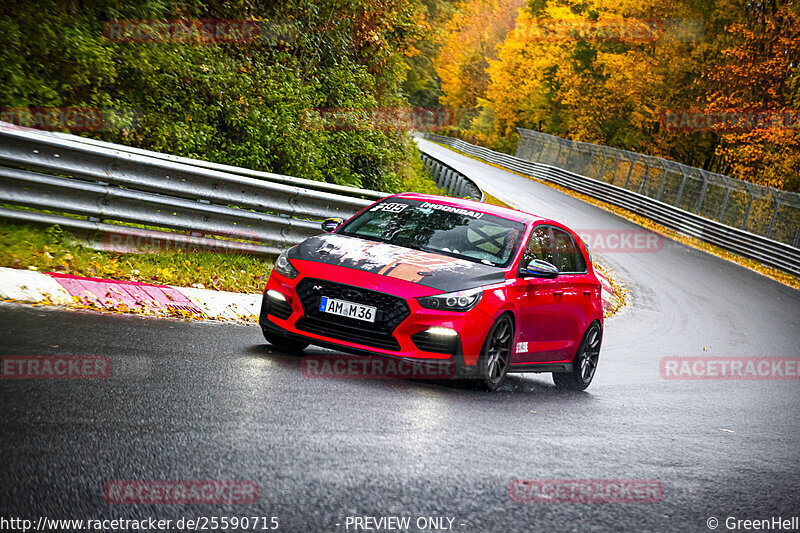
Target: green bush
[{"x": 243, "y": 104}]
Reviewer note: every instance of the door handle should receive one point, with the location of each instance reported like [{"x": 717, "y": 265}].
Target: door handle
[
  {"x": 587, "y": 293},
  {"x": 558, "y": 293}
]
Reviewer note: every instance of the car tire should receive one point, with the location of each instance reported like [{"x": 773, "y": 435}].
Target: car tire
[
  {"x": 496, "y": 354},
  {"x": 284, "y": 344},
  {"x": 585, "y": 363}
]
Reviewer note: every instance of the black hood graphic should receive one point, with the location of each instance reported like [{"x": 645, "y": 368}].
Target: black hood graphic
[{"x": 438, "y": 271}]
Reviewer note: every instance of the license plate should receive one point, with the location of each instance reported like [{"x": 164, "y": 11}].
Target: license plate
[{"x": 349, "y": 309}]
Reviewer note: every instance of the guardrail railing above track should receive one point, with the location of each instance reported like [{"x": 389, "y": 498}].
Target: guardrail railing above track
[
  {"x": 451, "y": 180},
  {"x": 306, "y": 184},
  {"x": 23, "y": 149},
  {"x": 97, "y": 188},
  {"x": 176, "y": 199},
  {"x": 764, "y": 211},
  {"x": 767, "y": 251}
]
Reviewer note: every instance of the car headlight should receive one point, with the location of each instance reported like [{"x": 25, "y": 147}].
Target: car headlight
[
  {"x": 284, "y": 267},
  {"x": 452, "y": 301}
]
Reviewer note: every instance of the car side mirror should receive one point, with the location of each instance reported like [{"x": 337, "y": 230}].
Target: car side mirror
[
  {"x": 330, "y": 224},
  {"x": 540, "y": 269}
]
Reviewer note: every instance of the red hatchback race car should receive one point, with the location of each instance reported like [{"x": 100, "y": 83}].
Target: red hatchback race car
[{"x": 427, "y": 278}]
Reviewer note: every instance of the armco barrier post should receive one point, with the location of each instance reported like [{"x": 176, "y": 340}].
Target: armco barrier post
[
  {"x": 749, "y": 206},
  {"x": 725, "y": 203},
  {"x": 448, "y": 182},
  {"x": 437, "y": 173},
  {"x": 773, "y": 217},
  {"x": 702, "y": 195}
]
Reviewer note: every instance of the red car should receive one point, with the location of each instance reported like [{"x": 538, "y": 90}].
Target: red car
[{"x": 428, "y": 278}]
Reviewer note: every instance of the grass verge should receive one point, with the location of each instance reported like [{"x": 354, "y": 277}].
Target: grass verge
[{"x": 54, "y": 250}]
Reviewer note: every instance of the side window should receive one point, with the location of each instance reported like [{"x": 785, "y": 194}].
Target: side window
[
  {"x": 539, "y": 247},
  {"x": 569, "y": 258}
]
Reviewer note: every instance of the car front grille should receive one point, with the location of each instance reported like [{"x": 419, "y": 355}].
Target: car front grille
[
  {"x": 391, "y": 311},
  {"x": 385, "y": 342}
]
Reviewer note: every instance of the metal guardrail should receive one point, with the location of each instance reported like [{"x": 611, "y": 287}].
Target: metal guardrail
[
  {"x": 341, "y": 190},
  {"x": 110, "y": 202},
  {"x": 767, "y": 251},
  {"x": 452, "y": 181},
  {"x": 182, "y": 179},
  {"x": 95, "y": 188}
]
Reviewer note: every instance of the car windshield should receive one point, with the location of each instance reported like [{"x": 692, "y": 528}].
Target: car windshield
[{"x": 438, "y": 228}]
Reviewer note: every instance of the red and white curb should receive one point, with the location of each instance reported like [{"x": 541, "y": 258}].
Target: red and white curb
[
  {"x": 155, "y": 300},
  {"x": 127, "y": 296}
]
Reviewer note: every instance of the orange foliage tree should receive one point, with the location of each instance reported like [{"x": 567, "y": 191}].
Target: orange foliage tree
[
  {"x": 607, "y": 71},
  {"x": 470, "y": 41},
  {"x": 760, "y": 74},
  {"x": 601, "y": 71}
]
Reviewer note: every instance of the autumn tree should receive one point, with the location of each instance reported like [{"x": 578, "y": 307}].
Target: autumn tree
[
  {"x": 470, "y": 42},
  {"x": 607, "y": 71},
  {"x": 603, "y": 75},
  {"x": 759, "y": 75},
  {"x": 422, "y": 86}
]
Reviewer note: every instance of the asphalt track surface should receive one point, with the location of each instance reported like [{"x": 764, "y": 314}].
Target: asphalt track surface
[{"x": 209, "y": 401}]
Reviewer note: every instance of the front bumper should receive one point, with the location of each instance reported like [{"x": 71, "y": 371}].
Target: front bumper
[{"x": 408, "y": 339}]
